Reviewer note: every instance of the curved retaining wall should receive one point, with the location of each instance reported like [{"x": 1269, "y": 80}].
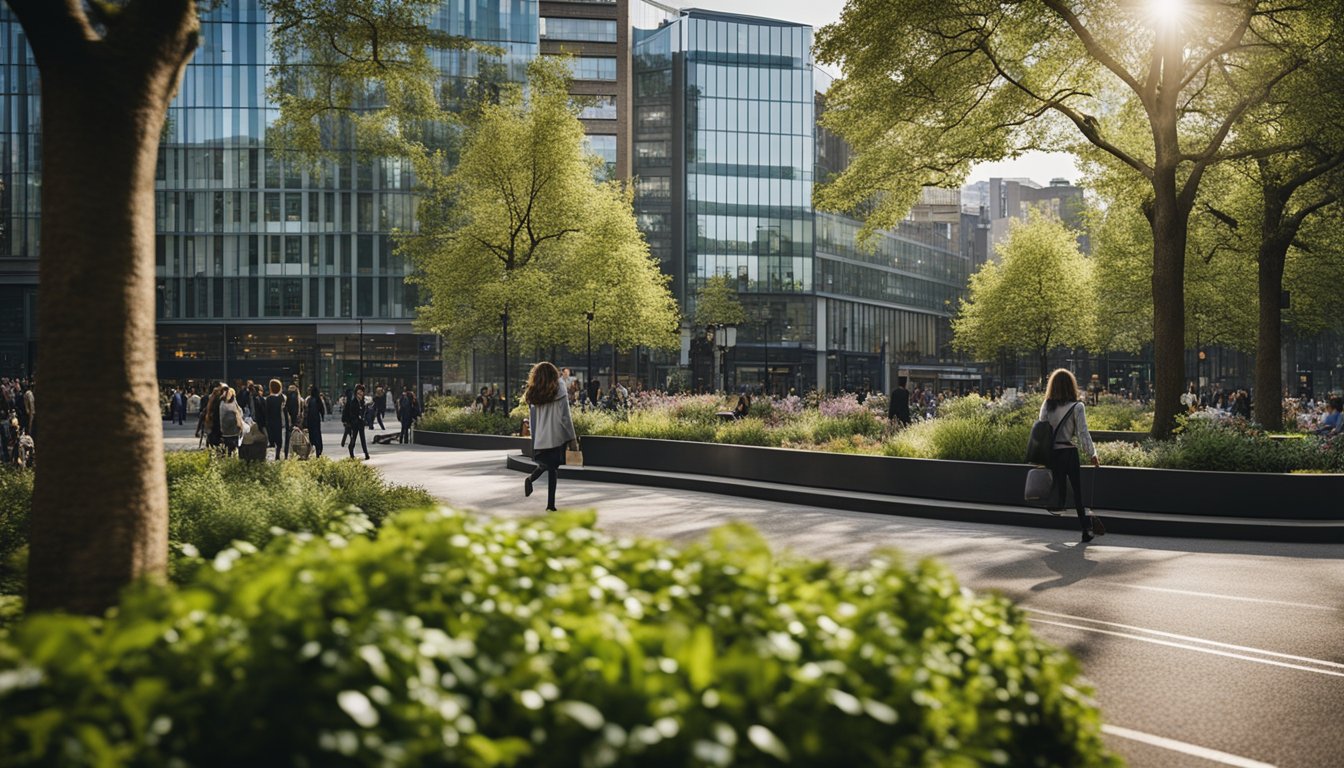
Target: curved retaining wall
[{"x": 1161, "y": 491}]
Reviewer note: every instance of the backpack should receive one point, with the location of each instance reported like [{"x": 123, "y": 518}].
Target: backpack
[
  {"x": 1041, "y": 443},
  {"x": 228, "y": 420}
]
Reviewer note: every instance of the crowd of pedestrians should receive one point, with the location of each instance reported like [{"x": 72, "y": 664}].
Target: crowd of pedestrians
[
  {"x": 272, "y": 416},
  {"x": 18, "y": 419}
]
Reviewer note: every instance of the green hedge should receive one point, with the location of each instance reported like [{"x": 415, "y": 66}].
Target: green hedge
[
  {"x": 466, "y": 420},
  {"x": 213, "y": 502},
  {"x": 453, "y": 641}
]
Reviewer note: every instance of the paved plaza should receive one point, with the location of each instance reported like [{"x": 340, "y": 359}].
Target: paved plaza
[{"x": 1203, "y": 652}]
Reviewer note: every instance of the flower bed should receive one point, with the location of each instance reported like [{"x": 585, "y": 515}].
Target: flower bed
[
  {"x": 453, "y": 641},
  {"x": 966, "y": 429}
]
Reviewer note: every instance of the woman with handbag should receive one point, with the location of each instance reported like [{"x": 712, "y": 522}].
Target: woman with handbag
[
  {"x": 1068, "y": 419},
  {"x": 552, "y": 427}
]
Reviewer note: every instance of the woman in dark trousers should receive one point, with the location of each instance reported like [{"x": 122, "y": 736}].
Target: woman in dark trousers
[
  {"x": 1068, "y": 418},
  {"x": 552, "y": 428},
  {"x": 291, "y": 414},
  {"x": 407, "y": 411},
  {"x": 315, "y": 411},
  {"x": 277, "y": 422},
  {"x": 353, "y": 416}
]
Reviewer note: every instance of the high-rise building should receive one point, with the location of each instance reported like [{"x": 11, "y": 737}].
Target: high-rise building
[
  {"x": 727, "y": 149},
  {"x": 263, "y": 269}
]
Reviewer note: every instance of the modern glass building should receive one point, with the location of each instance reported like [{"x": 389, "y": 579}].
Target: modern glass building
[
  {"x": 263, "y": 270},
  {"x": 724, "y": 131},
  {"x": 727, "y": 150}
]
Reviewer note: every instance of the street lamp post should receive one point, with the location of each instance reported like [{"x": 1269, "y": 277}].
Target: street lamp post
[
  {"x": 767, "y": 355},
  {"x": 361, "y": 351},
  {"x": 504, "y": 318},
  {"x": 588, "y": 374}
]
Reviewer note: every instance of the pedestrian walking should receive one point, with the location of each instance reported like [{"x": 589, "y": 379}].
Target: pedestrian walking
[
  {"x": 277, "y": 421},
  {"x": 1068, "y": 418},
  {"x": 552, "y": 427},
  {"x": 898, "y": 408},
  {"x": 314, "y": 413},
  {"x": 407, "y": 412},
  {"x": 230, "y": 420},
  {"x": 379, "y": 406},
  {"x": 353, "y": 417},
  {"x": 292, "y": 407}
]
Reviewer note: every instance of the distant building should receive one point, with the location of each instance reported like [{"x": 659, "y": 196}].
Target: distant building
[{"x": 1008, "y": 199}]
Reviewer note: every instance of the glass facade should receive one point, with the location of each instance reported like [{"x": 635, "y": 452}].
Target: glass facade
[
  {"x": 254, "y": 255},
  {"x": 578, "y": 30},
  {"x": 592, "y": 68}
]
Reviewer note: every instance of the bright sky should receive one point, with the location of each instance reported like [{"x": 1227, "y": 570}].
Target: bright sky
[{"x": 1037, "y": 166}]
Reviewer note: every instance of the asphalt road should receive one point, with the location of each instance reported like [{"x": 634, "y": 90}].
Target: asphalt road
[{"x": 1202, "y": 652}]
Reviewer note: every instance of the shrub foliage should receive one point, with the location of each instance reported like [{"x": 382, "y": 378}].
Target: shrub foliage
[{"x": 453, "y": 641}]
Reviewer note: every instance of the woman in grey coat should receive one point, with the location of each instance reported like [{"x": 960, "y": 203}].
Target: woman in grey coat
[{"x": 552, "y": 428}]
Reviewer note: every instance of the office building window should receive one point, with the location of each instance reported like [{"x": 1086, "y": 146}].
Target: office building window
[
  {"x": 592, "y": 68},
  {"x": 603, "y": 146},
  {"x": 597, "y": 107},
  {"x": 578, "y": 30}
]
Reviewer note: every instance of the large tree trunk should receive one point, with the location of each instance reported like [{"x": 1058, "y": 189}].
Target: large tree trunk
[
  {"x": 1269, "y": 341},
  {"x": 1169, "y": 240},
  {"x": 100, "y": 506}
]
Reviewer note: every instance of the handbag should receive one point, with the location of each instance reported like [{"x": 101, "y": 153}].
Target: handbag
[
  {"x": 574, "y": 454},
  {"x": 1040, "y": 485},
  {"x": 1040, "y": 482}
]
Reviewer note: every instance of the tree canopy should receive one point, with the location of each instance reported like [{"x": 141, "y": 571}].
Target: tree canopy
[
  {"x": 983, "y": 79},
  {"x": 1036, "y": 296},
  {"x": 716, "y": 302},
  {"x": 521, "y": 225}
]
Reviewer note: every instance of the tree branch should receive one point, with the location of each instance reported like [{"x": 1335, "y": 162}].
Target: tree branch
[{"x": 1094, "y": 47}]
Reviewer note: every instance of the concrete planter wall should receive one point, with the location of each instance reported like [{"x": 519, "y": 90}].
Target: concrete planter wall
[
  {"x": 1218, "y": 494},
  {"x": 473, "y": 442}
]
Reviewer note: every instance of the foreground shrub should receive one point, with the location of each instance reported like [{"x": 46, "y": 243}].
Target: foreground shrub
[
  {"x": 452, "y": 641},
  {"x": 214, "y": 502}
]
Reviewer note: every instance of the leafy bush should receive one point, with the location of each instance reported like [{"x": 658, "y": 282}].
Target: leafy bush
[
  {"x": 212, "y": 503},
  {"x": 1117, "y": 416},
  {"x": 448, "y": 419},
  {"x": 748, "y": 431},
  {"x": 16, "y": 495},
  {"x": 452, "y": 641}
]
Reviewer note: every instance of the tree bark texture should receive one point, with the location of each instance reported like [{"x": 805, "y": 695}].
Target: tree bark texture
[
  {"x": 1275, "y": 240},
  {"x": 100, "y": 506},
  {"x": 1169, "y": 241}
]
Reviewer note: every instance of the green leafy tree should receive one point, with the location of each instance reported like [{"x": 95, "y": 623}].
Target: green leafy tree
[
  {"x": 358, "y": 73},
  {"x": 521, "y": 225},
  {"x": 1037, "y": 296},
  {"x": 716, "y": 302},
  {"x": 109, "y": 70},
  {"x": 984, "y": 79},
  {"x": 1296, "y": 176}
]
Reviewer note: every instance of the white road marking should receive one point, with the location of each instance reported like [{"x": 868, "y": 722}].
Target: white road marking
[
  {"x": 1188, "y": 639},
  {"x": 1186, "y": 647},
  {"x": 1181, "y": 746},
  {"x": 1223, "y": 597}
]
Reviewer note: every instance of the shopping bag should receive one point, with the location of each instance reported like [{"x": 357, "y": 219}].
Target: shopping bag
[{"x": 574, "y": 454}]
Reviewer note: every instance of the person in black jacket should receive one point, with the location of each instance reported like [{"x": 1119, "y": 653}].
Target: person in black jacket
[
  {"x": 291, "y": 413},
  {"x": 406, "y": 413},
  {"x": 899, "y": 407},
  {"x": 353, "y": 416},
  {"x": 314, "y": 411},
  {"x": 277, "y": 421}
]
